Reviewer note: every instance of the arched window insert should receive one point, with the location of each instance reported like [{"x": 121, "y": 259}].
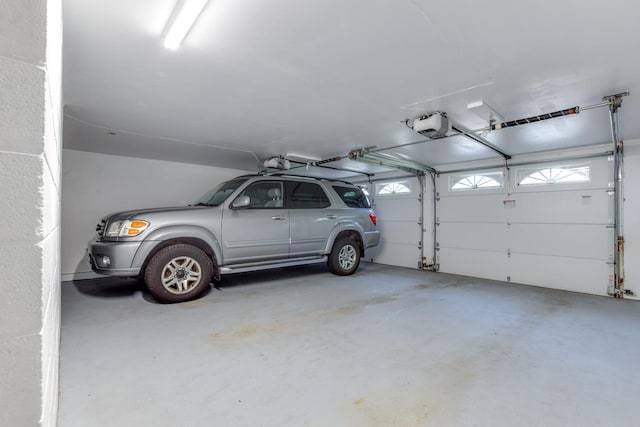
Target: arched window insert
[
  {"x": 474, "y": 182},
  {"x": 557, "y": 175},
  {"x": 393, "y": 188}
]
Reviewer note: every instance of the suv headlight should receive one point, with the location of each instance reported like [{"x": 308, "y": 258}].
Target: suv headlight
[{"x": 126, "y": 228}]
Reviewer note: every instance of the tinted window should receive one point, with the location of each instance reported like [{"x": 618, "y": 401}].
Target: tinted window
[
  {"x": 307, "y": 195},
  {"x": 352, "y": 197},
  {"x": 264, "y": 195}
]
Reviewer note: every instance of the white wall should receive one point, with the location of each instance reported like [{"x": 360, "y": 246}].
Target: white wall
[
  {"x": 30, "y": 141},
  {"x": 98, "y": 184}
]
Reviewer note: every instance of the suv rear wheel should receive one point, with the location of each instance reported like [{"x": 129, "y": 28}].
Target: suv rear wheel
[
  {"x": 345, "y": 257},
  {"x": 178, "y": 273}
]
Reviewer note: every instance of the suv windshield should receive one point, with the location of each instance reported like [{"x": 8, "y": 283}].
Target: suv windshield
[
  {"x": 352, "y": 197},
  {"x": 219, "y": 194}
]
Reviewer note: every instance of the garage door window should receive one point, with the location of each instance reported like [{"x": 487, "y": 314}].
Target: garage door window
[
  {"x": 573, "y": 174},
  {"x": 475, "y": 182},
  {"x": 391, "y": 188}
]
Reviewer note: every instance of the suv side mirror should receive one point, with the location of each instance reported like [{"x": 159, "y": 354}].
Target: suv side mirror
[{"x": 241, "y": 202}]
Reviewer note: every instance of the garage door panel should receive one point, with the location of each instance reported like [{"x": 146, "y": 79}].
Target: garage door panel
[
  {"x": 398, "y": 221},
  {"x": 395, "y": 209},
  {"x": 571, "y": 274},
  {"x": 389, "y": 253},
  {"x": 469, "y": 235},
  {"x": 399, "y": 232},
  {"x": 556, "y": 234},
  {"x": 584, "y": 207},
  {"x": 483, "y": 208},
  {"x": 476, "y": 263},
  {"x": 631, "y": 216},
  {"x": 564, "y": 240}
]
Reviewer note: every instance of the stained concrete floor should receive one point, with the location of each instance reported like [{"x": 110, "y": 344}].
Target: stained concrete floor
[{"x": 385, "y": 347}]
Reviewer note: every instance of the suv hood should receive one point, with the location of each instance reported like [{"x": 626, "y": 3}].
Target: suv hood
[{"x": 141, "y": 212}]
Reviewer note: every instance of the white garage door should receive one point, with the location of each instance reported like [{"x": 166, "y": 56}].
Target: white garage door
[
  {"x": 631, "y": 221},
  {"x": 397, "y": 205},
  {"x": 546, "y": 225}
]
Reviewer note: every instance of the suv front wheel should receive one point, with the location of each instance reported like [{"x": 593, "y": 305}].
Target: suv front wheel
[
  {"x": 178, "y": 273},
  {"x": 345, "y": 257}
]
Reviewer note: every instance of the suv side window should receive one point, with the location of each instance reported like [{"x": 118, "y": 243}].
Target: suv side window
[
  {"x": 264, "y": 195},
  {"x": 352, "y": 197},
  {"x": 306, "y": 195}
]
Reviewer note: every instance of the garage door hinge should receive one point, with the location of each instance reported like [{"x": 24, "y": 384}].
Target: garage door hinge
[
  {"x": 420, "y": 221},
  {"x": 509, "y": 253}
]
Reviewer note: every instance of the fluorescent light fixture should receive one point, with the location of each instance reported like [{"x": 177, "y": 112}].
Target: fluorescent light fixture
[
  {"x": 475, "y": 104},
  {"x": 183, "y": 20},
  {"x": 484, "y": 111},
  {"x": 302, "y": 158}
]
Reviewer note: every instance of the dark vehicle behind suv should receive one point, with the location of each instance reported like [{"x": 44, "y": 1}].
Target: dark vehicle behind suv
[{"x": 250, "y": 223}]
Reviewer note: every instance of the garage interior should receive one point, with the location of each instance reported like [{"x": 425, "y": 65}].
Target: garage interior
[{"x": 497, "y": 141}]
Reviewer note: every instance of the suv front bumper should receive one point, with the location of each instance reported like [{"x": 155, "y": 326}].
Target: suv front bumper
[{"x": 113, "y": 258}]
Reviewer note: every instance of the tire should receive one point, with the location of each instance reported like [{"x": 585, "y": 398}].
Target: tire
[
  {"x": 178, "y": 273},
  {"x": 345, "y": 257}
]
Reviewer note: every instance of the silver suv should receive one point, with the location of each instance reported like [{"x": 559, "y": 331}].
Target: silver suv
[{"x": 250, "y": 223}]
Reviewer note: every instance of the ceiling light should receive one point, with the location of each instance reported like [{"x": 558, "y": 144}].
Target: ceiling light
[
  {"x": 185, "y": 15},
  {"x": 484, "y": 111}
]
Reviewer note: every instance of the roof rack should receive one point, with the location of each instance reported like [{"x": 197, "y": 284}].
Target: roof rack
[
  {"x": 314, "y": 178},
  {"x": 249, "y": 175}
]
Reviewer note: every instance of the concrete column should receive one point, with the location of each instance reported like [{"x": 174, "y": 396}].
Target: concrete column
[{"x": 30, "y": 154}]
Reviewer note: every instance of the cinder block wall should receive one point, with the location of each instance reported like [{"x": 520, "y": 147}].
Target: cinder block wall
[{"x": 30, "y": 163}]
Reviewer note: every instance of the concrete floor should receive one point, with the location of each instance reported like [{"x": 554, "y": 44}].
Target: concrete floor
[{"x": 385, "y": 347}]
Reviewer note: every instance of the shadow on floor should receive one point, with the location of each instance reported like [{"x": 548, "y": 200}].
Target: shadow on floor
[
  {"x": 268, "y": 276},
  {"x": 109, "y": 287},
  {"x": 117, "y": 287}
]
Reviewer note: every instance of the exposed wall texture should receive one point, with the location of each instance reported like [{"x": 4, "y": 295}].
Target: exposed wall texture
[
  {"x": 30, "y": 164},
  {"x": 99, "y": 184}
]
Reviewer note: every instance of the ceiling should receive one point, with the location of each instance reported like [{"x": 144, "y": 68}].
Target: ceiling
[{"x": 255, "y": 79}]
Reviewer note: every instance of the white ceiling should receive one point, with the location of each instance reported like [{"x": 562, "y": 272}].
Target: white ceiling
[{"x": 255, "y": 79}]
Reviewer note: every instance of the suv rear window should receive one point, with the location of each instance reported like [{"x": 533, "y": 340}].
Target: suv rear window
[{"x": 352, "y": 197}]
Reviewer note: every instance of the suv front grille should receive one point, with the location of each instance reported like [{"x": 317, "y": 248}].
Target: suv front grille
[{"x": 100, "y": 228}]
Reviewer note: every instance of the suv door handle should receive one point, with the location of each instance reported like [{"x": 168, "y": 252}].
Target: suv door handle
[
  {"x": 278, "y": 218},
  {"x": 331, "y": 216}
]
